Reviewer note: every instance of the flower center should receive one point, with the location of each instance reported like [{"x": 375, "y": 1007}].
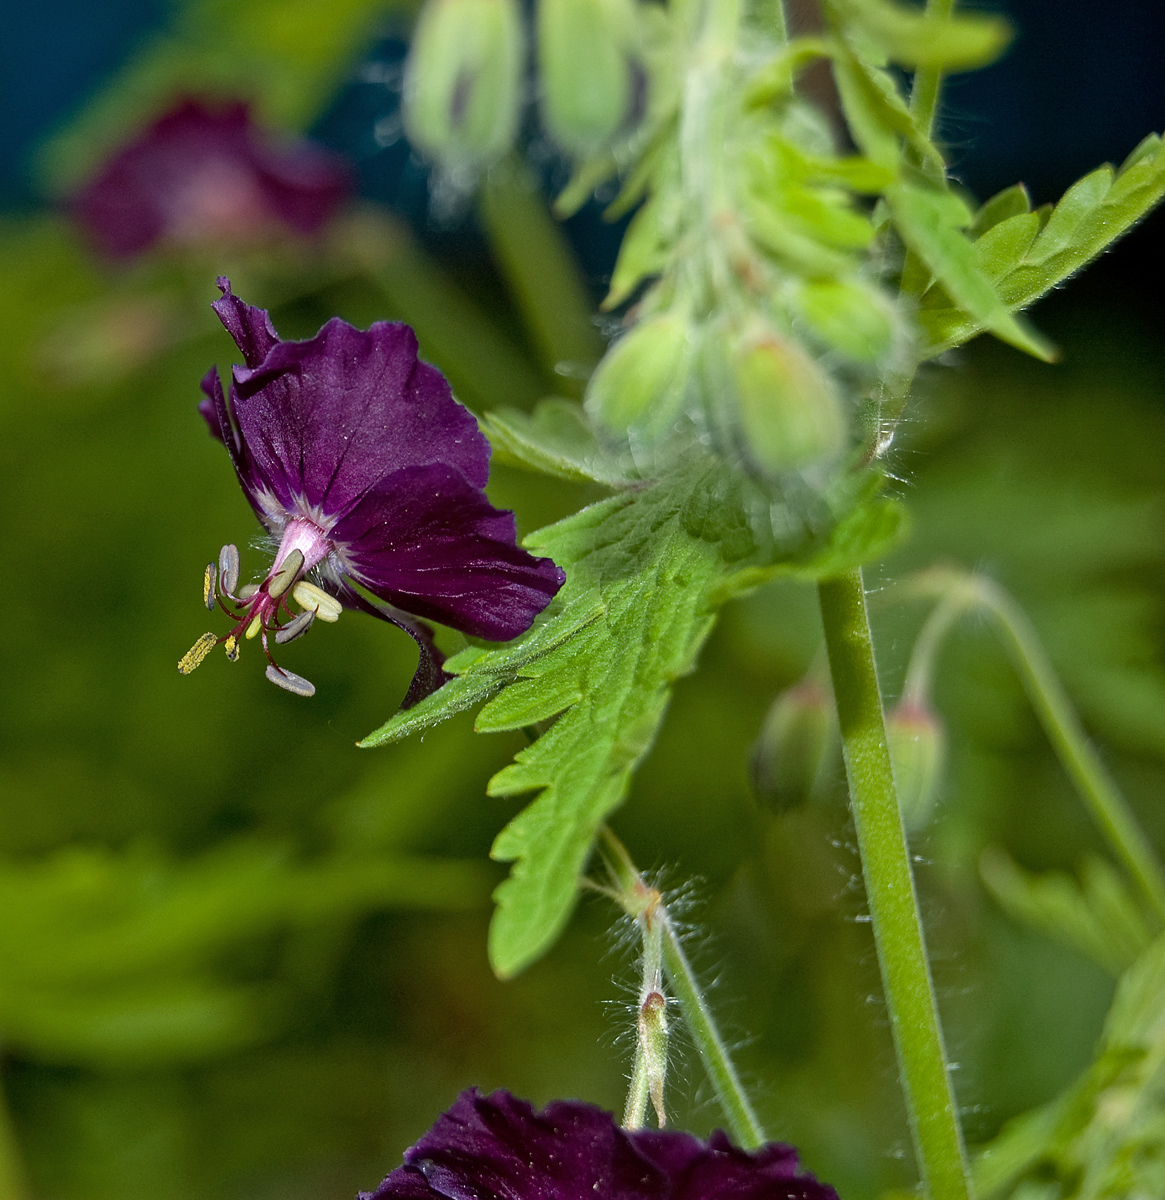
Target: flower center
[{"x": 263, "y": 610}]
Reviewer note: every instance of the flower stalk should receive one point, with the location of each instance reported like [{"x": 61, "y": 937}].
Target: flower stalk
[
  {"x": 638, "y": 899},
  {"x": 894, "y": 915},
  {"x": 959, "y": 591}
]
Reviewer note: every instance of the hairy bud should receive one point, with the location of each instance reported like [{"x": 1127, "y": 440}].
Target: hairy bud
[
  {"x": 917, "y": 750},
  {"x": 463, "y": 80},
  {"x": 587, "y": 63},
  {"x": 795, "y": 747},
  {"x": 851, "y": 317},
  {"x": 790, "y": 416},
  {"x": 641, "y": 381}
]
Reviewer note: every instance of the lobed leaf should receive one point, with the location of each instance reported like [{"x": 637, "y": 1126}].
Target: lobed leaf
[
  {"x": 1024, "y": 257},
  {"x": 931, "y": 222},
  {"x": 1096, "y": 915},
  {"x": 646, "y": 571}
]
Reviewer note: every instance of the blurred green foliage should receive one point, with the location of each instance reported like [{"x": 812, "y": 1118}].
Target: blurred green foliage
[{"x": 239, "y": 957}]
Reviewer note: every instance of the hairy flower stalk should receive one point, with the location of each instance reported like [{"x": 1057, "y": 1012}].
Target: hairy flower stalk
[{"x": 369, "y": 477}]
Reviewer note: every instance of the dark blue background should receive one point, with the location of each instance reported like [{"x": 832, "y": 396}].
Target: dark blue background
[{"x": 1082, "y": 84}]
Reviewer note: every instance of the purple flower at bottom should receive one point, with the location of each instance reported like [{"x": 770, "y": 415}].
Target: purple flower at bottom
[
  {"x": 368, "y": 476},
  {"x": 208, "y": 175},
  {"x": 498, "y": 1148}
]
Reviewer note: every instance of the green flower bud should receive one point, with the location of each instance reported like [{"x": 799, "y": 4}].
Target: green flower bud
[
  {"x": 586, "y": 59},
  {"x": 917, "y": 750},
  {"x": 851, "y": 317},
  {"x": 640, "y": 384},
  {"x": 789, "y": 412},
  {"x": 463, "y": 80},
  {"x": 796, "y": 746}
]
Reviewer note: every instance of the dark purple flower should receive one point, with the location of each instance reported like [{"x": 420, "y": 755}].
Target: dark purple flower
[
  {"x": 498, "y": 1148},
  {"x": 365, "y": 471},
  {"x": 205, "y": 175}
]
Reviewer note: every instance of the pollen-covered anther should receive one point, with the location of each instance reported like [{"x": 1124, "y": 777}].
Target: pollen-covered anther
[
  {"x": 290, "y": 681},
  {"x": 232, "y": 647},
  {"x": 316, "y": 601},
  {"x": 286, "y": 575},
  {"x": 209, "y": 578},
  {"x": 197, "y": 653}
]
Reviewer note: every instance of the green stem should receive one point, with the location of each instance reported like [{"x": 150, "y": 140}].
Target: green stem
[
  {"x": 897, "y": 927},
  {"x": 543, "y": 278},
  {"x": 635, "y": 897},
  {"x": 927, "y": 81},
  {"x": 920, "y": 671},
  {"x": 1075, "y": 751}
]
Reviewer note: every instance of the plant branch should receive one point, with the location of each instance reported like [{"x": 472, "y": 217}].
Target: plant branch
[
  {"x": 1075, "y": 751},
  {"x": 897, "y": 927}
]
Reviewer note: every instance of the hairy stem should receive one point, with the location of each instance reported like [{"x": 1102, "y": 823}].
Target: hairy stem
[
  {"x": 927, "y": 81},
  {"x": 897, "y": 927},
  {"x": 636, "y": 898}
]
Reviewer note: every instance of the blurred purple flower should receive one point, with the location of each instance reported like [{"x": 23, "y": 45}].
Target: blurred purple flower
[
  {"x": 498, "y": 1148},
  {"x": 366, "y": 471},
  {"x": 208, "y": 175}
]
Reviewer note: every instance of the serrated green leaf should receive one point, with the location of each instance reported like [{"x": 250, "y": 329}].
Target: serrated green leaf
[
  {"x": 916, "y": 38},
  {"x": 645, "y": 573},
  {"x": 1006, "y": 242},
  {"x": 931, "y": 224},
  {"x": 1011, "y": 202},
  {"x": 555, "y": 439},
  {"x": 1092, "y": 214}
]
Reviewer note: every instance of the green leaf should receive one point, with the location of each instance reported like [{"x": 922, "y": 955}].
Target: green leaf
[
  {"x": 1097, "y": 916},
  {"x": 1104, "y": 1138},
  {"x": 877, "y": 114},
  {"x": 1091, "y": 215},
  {"x": 645, "y": 572},
  {"x": 643, "y": 251},
  {"x": 916, "y": 38},
  {"x": 930, "y": 222},
  {"x": 555, "y": 439},
  {"x": 1011, "y": 202}
]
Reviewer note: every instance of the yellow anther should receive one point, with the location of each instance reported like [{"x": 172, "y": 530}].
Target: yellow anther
[
  {"x": 197, "y": 653},
  {"x": 311, "y": 599},
  {"x": 254, "y": 627},
  {"x": 208, "y": 582},
  {"x": 232, "y": 647}
]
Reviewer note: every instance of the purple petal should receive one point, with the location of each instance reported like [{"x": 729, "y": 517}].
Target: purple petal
[
  {"x": 327, "y": 419},
  {"x": 498, "y": 1148},
  {"x": 428, "y": 541},
  {"x": 251, "y": 327},
  {"x": 216, "y": 413}
]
